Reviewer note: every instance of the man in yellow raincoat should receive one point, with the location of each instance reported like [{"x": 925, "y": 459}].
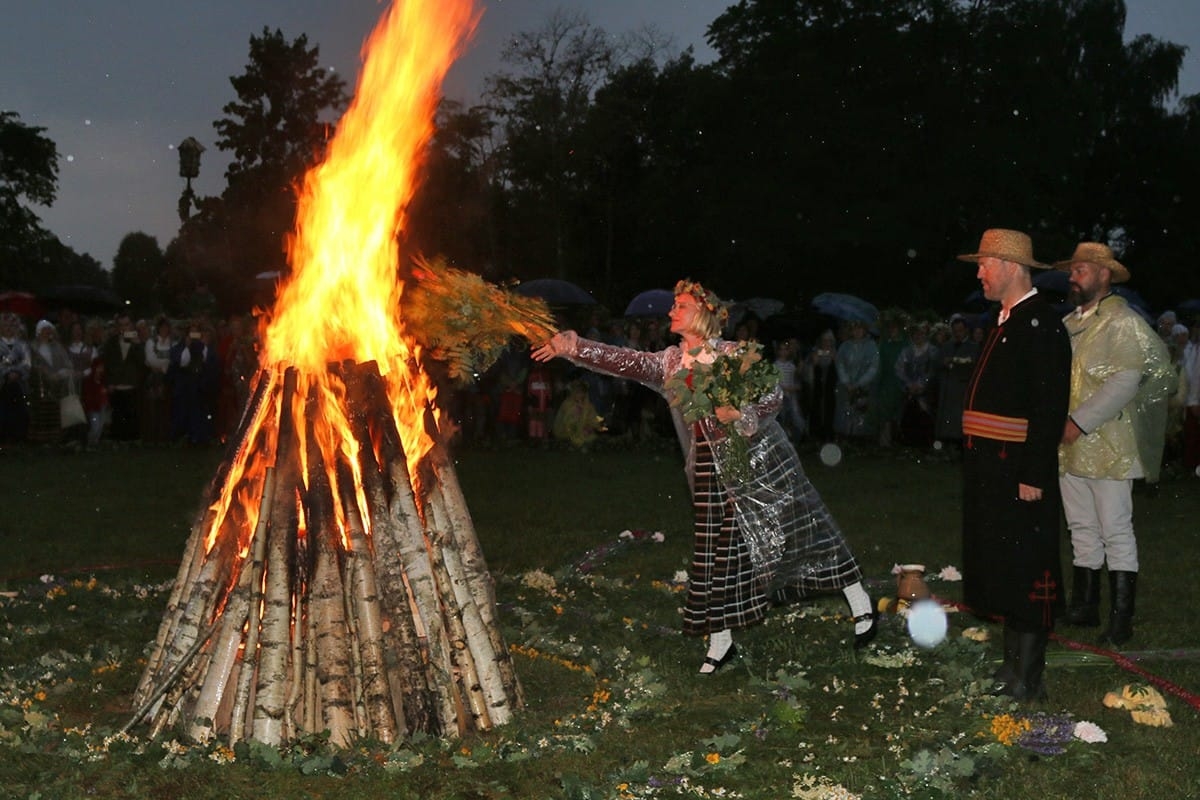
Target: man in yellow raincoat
[{"x": 1114, "y": 433}]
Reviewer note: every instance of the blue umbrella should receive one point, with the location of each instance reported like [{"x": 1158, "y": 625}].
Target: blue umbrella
[
  {"x": 556, "y": 292},
  {"x": 845, "y": 306},
  {"x": 651, "y": 303}
]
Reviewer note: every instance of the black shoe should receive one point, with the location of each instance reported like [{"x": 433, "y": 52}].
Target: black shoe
[
  {"x": 863, "y": 639},
  {"x": 717, "y": 663}
]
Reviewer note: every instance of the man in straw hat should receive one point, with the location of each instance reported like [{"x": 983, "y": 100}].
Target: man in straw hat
[
  {"x": 1120, "y": 378},
  {"x": 1013, "y": 412}
]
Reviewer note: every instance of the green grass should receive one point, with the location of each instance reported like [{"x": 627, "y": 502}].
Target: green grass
[{"x": 613, "y": 701}]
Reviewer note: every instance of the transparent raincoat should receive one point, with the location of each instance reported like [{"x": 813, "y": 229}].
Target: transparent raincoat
[
  {"x": 794, "y": 542},
  {"x": 1112, "y": 340}
]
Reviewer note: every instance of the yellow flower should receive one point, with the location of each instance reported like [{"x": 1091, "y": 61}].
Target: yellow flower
[
  {"x": 713, "y": 758},
  {"x": 1007, "y": 729}
]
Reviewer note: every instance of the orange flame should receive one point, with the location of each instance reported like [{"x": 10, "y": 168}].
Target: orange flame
[{"x": 341, "y": 301}]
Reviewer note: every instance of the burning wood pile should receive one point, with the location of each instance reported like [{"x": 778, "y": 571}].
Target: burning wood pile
[{"x": 334, "y": 581}]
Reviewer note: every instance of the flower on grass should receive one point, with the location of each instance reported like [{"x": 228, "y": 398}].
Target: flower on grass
[
  {"x": 1145, "y": 703},
  {"x": 976, "y": 634},
  {"x": 1007, "y": 728},
  {"x": 1090, "y": 732},
  {"x": 949, "y": 573},
  {"x": 713, "y": 758},
  {"x": 1048, "y": 734}
]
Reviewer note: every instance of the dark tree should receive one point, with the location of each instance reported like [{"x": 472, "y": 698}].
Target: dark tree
[
  {"x": 453, "y": 214},
  {"x": 542, "y": 103},
  {"x": 275, "y": 130},
  {"x": 137, "y": 275},
  {"x": 28, "y": 175}
]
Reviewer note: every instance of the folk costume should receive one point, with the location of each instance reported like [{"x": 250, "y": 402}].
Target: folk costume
[
  {"x": 1013, "y": 414},
  {"x": 778, "y": 506},
  {"x": 1120, "y": 378}
]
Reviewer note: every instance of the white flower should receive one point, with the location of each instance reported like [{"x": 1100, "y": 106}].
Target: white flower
[
  {"x": 1090, "y": 732},
  {"x": 950, "y": 573},
  {"x": 625, "y": 535},
  {"x": 680, "y": 576},
  {"x": 658, "y": 537}
]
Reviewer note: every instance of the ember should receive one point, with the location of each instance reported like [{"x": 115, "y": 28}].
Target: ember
[{"x": 334, "y": 581}]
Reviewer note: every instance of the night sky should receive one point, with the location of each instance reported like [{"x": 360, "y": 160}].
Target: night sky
[{"x": 118, "y": 85}]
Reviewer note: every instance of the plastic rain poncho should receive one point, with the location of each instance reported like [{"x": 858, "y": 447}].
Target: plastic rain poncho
[
  {"x": 793, "y": 540},
  {"x": 1112, "y": 345}
]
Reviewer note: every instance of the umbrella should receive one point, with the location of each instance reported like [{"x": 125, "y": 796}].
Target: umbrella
[
  {"x": 845, "y": 306},
  {"x": 761, "y": 307},
  {"x": 80, "y": 297},
  {"x": 651, "y": 303},
  {"x": 23, "y": 304},
  {"x": 556, "y": 292}
]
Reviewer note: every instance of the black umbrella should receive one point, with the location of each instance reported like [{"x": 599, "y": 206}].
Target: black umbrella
[
  {"x": 651, "y": 303},
  {"x": 556, "y": 292},
  {"x": 83, "y": 298}
]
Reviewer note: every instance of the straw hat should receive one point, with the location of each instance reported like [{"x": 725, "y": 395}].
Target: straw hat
[
  {"x": 1007, "y": 245},
  {"x": 1098, "y": 254}
]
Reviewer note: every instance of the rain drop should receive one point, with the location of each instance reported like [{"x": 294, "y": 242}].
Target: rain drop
[
  {"x": 70, "y": 158},
  {"x": 87, "y": 122},
  {"x": 911, "y": 252},
  {"x": 1016, "y": 112}
]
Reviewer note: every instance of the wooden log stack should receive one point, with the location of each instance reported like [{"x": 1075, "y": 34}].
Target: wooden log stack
[{"x": 349, "y": 597}]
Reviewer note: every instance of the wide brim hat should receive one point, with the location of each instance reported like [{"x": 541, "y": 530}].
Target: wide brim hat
[
  {"x": 1098, "y": 254},
  {"x": 1006, "y": 245}
]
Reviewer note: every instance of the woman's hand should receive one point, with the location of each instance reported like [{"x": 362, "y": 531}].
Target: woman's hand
[
  {"x": 727, "y": 414},
  {"x": 563, "y": 343}
]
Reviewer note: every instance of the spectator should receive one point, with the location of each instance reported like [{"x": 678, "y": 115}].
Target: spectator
[
  {"x": 789, "y": 412},
  {"x": 820, "y": 387},
  {"x": 915, "y": 369},
  {"x": 857, "y": 367},
  {"x": 576, "y": 420},
  {"x": 52, "y": 381},
  {"x": 155, "y": 417},
  {"x": 889, "y": 393},
  {"x": 957, "y": 361},
  {"x": 124, "y": 364},
  {"x": 1191, "y": 419},
  {"x": 95, "y": 401},
  {"x": 15, "y": 365}
]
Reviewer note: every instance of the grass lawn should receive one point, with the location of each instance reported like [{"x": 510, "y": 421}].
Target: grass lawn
[{"x": 88, "y": 543}]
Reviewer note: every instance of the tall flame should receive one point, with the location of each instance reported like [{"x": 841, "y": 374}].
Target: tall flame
[{"x": 341, "y": 301}]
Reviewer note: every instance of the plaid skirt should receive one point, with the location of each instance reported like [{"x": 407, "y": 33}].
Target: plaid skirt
[{"x": 723, "y": 590}]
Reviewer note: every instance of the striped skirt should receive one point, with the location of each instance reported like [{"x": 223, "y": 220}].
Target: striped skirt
[{"x": 723, "y": 591}]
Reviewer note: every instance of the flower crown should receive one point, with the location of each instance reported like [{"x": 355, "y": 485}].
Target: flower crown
[{"x": 704, "y": 297}]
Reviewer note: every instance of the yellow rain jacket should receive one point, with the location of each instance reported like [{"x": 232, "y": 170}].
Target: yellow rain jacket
[{"x": 1124, "y": 423}]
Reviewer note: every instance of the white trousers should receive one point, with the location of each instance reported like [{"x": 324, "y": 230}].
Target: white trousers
[{"x": 1100, "y": 515}]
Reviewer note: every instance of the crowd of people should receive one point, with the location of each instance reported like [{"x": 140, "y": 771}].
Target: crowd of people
[
  {"x": 78, "y": 382},
  {"x": 899, "y": 379}
]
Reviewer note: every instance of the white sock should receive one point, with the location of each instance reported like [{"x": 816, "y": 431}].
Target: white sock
[
  {"x": 718, "y": 645},
  {"x": 860, "y": 603}
]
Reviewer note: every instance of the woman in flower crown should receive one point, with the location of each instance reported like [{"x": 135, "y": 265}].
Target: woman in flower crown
[{"x": 760, "y": 533}]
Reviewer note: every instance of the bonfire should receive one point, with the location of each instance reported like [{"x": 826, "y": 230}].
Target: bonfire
[{"x": 333, "y": 581}]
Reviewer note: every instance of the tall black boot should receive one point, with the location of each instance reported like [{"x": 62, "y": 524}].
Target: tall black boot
[
  {"x": 1005, "y": 675},
  {"x": 1084, "y": 609},
  {"x": 1123, "y": 587},
  {"x": 1032, "y": 666}
]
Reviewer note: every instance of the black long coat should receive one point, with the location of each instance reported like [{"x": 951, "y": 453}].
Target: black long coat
[{"x": 1011, "y": 565}]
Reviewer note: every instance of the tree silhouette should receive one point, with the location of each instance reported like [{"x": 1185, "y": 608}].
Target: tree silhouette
[{"x": 275, "y": 129}]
